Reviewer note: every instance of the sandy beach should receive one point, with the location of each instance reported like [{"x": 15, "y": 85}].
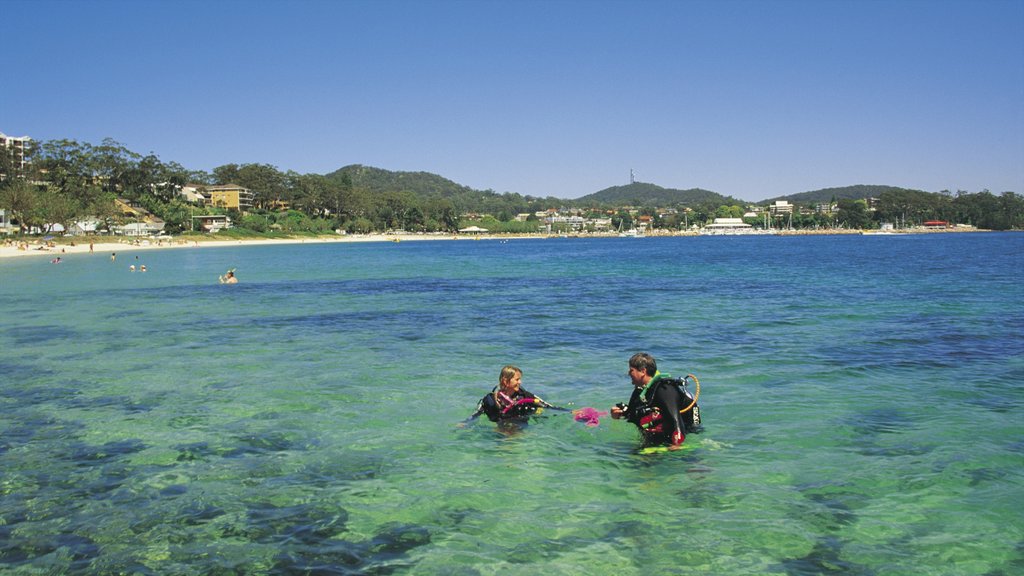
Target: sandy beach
[{"x": 65, "y": 247}]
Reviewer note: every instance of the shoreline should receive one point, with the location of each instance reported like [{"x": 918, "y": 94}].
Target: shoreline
[{"x": 55, "y": 249}]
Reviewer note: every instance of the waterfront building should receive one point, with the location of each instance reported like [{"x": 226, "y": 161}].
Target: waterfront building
[
  {"x": 230, "y": 196},
  {"x": 211, "y": 222},
  {"x": 781, "y": 207}
]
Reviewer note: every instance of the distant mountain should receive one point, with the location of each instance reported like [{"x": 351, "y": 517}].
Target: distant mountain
[
  {"x": 378, "y": 180},
  {"x": 642, "y": 193},
  {"x": 857, "y": 192},
  {"x": 432, "y": 188},
  {"x": 426, "y": 185}
]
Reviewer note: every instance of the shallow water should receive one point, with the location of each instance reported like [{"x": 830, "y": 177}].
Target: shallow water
[{"x": 861, "y": 399}]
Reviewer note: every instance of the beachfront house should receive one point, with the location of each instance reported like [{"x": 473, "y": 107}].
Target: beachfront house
[
  {"x": 87, "y": 226},
  {"x": 569, "y": 222},
  {"x": 211, "y": 222},
  {"x": 149, "y": 228},
  {"x": 192, "y": 193},
  {"x": 143, "y": 222},
  {"x": 230, "y": 196}
]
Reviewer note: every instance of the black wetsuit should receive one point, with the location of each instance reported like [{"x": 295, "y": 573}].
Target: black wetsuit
[
  {"x": 656, "y": 413},
  {"x": 522, "y": 405}
]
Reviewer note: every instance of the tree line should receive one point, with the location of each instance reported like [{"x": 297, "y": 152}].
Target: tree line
[
  {"x": 913, "y": 208},
  {"x": 65, "y": 181}
]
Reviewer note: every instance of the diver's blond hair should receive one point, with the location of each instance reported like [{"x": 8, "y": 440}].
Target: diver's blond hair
[{"x": 507, "y": 373}]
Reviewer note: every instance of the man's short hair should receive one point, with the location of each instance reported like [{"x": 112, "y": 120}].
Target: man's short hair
[{"x": 644, "y": 362}]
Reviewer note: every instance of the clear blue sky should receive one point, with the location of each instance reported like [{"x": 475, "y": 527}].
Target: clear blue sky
[{"x": 546, "y": 98}]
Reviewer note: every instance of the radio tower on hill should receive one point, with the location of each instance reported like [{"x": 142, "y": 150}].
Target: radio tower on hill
[{"x": 632, "y": 178}]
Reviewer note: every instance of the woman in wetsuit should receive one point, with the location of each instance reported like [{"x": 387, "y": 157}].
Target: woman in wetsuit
[{"x": 508, "y": 400}]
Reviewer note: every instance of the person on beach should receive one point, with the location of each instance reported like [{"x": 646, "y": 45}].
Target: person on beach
[
  {"x": 229, "y": 278},
  {"x": 655, "y": 404},
  {"x": 509, "y": 400}
]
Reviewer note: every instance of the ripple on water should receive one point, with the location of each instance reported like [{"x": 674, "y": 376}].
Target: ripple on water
[{"x": 858, "y": 397}]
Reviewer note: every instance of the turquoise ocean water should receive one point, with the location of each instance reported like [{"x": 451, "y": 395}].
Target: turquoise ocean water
[{"x": 862, "y": 401}]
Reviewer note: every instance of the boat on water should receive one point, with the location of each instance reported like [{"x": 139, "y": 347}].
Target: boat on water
[
  {"x": 633, "y": 232},
  {"x": 886, "y": 229}
]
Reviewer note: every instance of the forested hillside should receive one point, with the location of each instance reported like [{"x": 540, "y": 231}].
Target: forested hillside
[
  {"x": 431, "y": 187},
  {"x": 377, "y": 180},
  {"x": 645, "y": 194},
  {"x": 858, "y": 192}
]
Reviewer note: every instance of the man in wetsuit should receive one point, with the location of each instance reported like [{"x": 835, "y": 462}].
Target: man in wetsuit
[{"x": 655, "y": 404}]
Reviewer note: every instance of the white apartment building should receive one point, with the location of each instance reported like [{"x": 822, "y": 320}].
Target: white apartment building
[{"x": 17, "y": 144}]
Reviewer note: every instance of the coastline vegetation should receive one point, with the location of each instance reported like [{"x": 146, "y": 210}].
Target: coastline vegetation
[{"x": 64, "y": 181}]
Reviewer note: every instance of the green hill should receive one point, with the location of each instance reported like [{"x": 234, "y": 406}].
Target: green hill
[
  {"x": 857, "y": 192},
  {"x": 378, "y": 180},
  {"x": 644, "y": 194},
  {"x": 431, "y": 188},
  {"x": 425, "y": 185}
]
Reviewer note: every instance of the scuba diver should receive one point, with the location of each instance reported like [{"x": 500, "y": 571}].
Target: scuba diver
[
  {"x": 508, "y": 400},
  {"x": 656, "y": 403}
]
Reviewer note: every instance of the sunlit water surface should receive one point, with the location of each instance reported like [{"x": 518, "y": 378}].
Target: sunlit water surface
[{"x": 862, "y": 400}]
